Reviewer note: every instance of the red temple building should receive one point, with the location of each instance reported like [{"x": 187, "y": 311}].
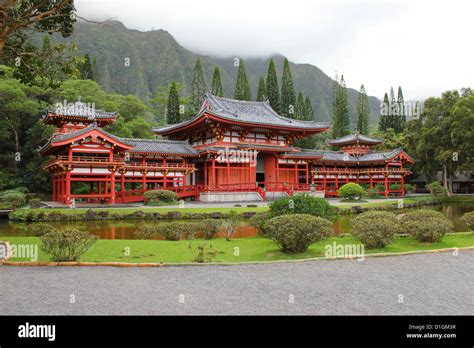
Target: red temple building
[{"x": 230, "y": 151}]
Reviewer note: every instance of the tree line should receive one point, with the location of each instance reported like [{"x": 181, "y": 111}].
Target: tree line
[{"x": 282, "y": 98}]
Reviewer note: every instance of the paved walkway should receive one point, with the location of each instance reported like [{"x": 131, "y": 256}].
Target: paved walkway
[{"x": 438, "y": 283}]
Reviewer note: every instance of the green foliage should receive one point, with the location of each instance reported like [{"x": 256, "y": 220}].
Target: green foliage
[
  {"x": 262, "y": 90},
  {"x": 155, "y": 196},
  {"x": 299, "y": 108},
  {"x": 363, "y": 112},
  {"x": 296, "y": 232},
  {"x": 371, "y": 193},
  {"x": 444, "y": 129},
  {"x": 206, "y": 254},
  {"x": 288, "y": 96},
  {"x": 230, "y": 224},
  {"x": 351, "y": 191},
  {"x": 198, "y": 87},
  {"x": 210, "y": 227},
  {"x": 216, "y": 83},
  {"x": 436, "y": 189},
  {"x": 172, "y": 111},
  {"x": 86, "y": 68},
  {"x": 40, "y": 229},
  {"x": 341, "y": 121},
  {"x": 302, "y": 203},
  {"x": 468, "y": 219},
  {"x": 308, "y": 110},
  {"x": 375, "y": 229},
  {"x": 259, "y": 220},
  {"x": 13, "y": 198},
  {"x": 34, "y": 203},
  {"x": 67, "y": 244},
  {"x": 273, "y": 93},
  {"x": 242, "y": 87},
  {"x": 426, "y": 225}
]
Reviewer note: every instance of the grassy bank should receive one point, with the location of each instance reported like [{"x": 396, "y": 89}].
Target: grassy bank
[
  {"x": 237, "y": 250},
  {"x": 152, "y": 213}
]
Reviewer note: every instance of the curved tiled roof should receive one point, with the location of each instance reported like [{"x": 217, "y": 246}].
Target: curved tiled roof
[
  {"x": 72, "y": 135},
  {"x": 253, "y": 112},
  {"x": 81, "y": 110},
  {"x": 354, "y": 138},
  {"x": 345, "y": 157},
  {"x": 160, "y": 146}
]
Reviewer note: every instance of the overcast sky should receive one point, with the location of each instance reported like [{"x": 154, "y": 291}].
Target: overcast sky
[{"x": 424, "y": 46}]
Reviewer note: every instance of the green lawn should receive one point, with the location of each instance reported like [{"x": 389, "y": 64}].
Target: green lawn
[{"x": 248, "y": 249}]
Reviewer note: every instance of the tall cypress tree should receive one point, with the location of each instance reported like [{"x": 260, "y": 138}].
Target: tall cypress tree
[
  {"x": 363, "y": 112},
  {"x": 384, "y": 114},
  {"x": 172, "y": 110},
  {"x": 401, "y": 119},
  {"x": 216, "y": 83},
  {"x": 262, "y": 90},
  {"x": 46, "y": 43},
  {"x": 308, "y": 110},
  {"x": 242, "y": 87},
  {"x": 288, "y": 97},
  {"x": 341, "y": 121},
  {"x": 299, "y": 107},
  {"x": 273, "y": 93},
  {"x": 198, "y": 87}
]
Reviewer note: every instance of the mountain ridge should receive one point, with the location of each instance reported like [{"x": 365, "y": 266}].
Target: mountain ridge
[{"x": 157, "y": 59}]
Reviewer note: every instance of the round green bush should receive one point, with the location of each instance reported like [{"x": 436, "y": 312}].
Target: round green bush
[
  {"x": 155, "y": 196},
  {"x": 436, "y": 189},
  {"x": 67, "y": 244},
  {"x": 468, "y": 219},
  {"x": 179, "y": 229},
  {"x": 375, "y": 229},
  {"x": 351, "y": 190},
  {"x": 14, "y": 198},
  {"x": 302, "y": 203},
  {"x": 294, "y": 233},
  {"x": 426, "y": 225}
]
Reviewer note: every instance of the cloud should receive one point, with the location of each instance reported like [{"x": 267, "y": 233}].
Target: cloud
[{"x": 424, "y": 46}]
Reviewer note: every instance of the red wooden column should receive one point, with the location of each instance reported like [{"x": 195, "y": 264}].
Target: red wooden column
[
  {"x": 277, "y": 169},
  {"x": 68, "y": 186},
  {"x": 307, "y": 173},
  {"x": 228, "y": 172},
  {"x": 296, "y": 172},
  {"x": 63, "y": 188},
  {"x": 205, "y": 172},
  {"x": 213, "y": 172},
  {"x": 144, "y": 173},
  {"x": 112, "y": 187},
  {"x": 386, "y": 180},
  {"x": 122, "y": 184}
]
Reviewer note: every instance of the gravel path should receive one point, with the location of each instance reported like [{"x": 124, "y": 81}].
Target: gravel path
[{"x": 438, "y": 283}]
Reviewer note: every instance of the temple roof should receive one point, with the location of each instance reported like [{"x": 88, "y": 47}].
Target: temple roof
[
  {"x": 339, "y": 156},
  {"x": 355, "y": 138},
  {"x": 247, "y": 112},
  {"x": 83, "y": 131},
  {"x": 79, "y": 111},
  {"x": 160, "y": 146}
]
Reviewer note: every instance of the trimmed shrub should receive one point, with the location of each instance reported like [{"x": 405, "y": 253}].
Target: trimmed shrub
[
  {"x": 379, "y": 187},
  {"x": 395, "y": 187},
  {"x": 426, "y": 225},
  {"x": 230, "y": 224},
  {"x": 436, "y": 189},
  {"x": 34, "y": 203},
  {"x": 375, "y": 229},
  {"x": 155, "y": 196},
  {"x": 13, "y": 198},
  {"x": 67, "y": 245},
  {"x": 468, "y": 219},
  {"x": 40, "y": 229},
  {"x": 302, "y": 203},
  {"x": 294, "y": 233},
  {"x": 179, "y": 229},
  {"x": 210, "y": 227},
  {"x": 259, "y": 221},
  {"x": 351, "y": 190}
]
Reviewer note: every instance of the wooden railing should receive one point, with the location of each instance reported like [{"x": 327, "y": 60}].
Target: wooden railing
[{"x": 360, "y": 171}]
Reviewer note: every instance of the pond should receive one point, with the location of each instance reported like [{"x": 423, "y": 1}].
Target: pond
[{"x": 110, "y": 229}]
